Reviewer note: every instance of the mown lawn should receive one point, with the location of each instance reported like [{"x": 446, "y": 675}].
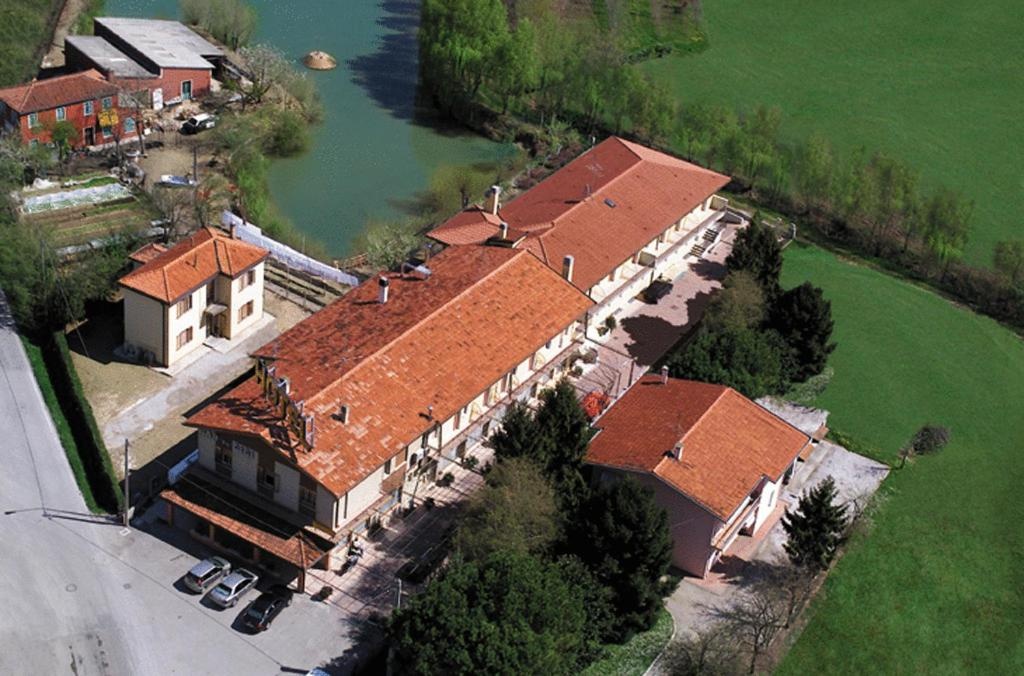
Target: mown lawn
[
  {"x": 935, "y": 83},
  {"x": 937, "y": 585},
  {"x": 634, "y": 657}
]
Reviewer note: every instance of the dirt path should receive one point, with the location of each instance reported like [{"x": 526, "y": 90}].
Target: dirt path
[{"x": 68, "y": 16}]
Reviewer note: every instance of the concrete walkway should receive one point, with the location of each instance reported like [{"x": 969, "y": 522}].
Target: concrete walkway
[
  {"x": 188, "y": 387},
  {"x": 646, "y": 332},
  {"x": 751, "y": 558}
]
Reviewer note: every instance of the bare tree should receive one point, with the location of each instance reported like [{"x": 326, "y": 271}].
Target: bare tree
[
  {"x": 176, "y": 205},
  {"x": 708, "y": 651},
  {"x": 754, "y": 619},
  {"x": 267, "y": 67}
]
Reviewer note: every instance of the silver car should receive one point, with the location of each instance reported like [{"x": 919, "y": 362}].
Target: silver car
[
  {"x": 206, "y": 573},
  {"x": 233, "y": 587}
]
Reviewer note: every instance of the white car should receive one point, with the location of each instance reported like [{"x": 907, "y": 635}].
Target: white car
[{"x": 233, "y": 587}]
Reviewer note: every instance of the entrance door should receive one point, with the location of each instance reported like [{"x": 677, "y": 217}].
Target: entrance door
[
  {"x": 90, "y": 136},
  {"x": 186, "y": 90},
  {"x": 158, "y": 99}
]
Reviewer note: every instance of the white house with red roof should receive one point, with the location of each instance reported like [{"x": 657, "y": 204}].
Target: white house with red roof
[
  {"x": 209, "y": 284},
  {"x": 357, "y": 407},
  {"x": 715, "y": 460},
  {"x": 610, "y": 221}
]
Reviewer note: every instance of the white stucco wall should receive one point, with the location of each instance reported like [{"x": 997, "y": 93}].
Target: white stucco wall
[
  {"x": 192, "y": 317},
  {"x": 144, "y": 321},
  {"x": 207, "y": 449},
  {"x": 244, "y": 462},
  {"x": 363, "y": 495},
  {"x": 287, "y": 490},
  {"x": 240, "y": 297}
]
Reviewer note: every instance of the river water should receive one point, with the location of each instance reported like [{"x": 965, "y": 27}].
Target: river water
[{"x": 373, "y": 151}]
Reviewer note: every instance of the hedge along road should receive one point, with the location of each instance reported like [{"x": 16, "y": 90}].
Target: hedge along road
[{"x": 73, "y": 592}]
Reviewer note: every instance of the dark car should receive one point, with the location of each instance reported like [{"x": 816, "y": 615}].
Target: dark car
[
  {"x": 658, "y": 289},
  {"x": 198, "y": 123},
  {"x": 266, "y": 607}
]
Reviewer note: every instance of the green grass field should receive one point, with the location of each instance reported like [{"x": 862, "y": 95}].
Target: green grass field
[
  {"x": 23, "y": 28},
  {"x": 936, "y": 587},
  {"x": 937, "y": 84}
]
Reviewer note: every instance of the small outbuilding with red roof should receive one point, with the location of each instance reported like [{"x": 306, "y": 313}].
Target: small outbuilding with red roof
[{"x": 715, "y": 460}]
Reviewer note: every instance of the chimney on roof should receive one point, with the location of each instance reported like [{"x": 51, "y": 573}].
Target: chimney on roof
[
  {"x": 568, "y": 265},
  {"x": 664, "y": 375},
  {"x": 430, "y": 411},
  {"x": 677, "y": 450},
  {"x": 343, "y": 414},
  {"x": 493, "y": 201},
  {"x": 503, "y": 228},
  {"x": 382, "y": 291}
]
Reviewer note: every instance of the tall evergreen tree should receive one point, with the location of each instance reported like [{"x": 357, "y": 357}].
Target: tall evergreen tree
[
  {"x": 757, "y": 251},
  {"x": 509, "y": 614},
  {"x": 565, "y": 433},
  {"x": 622, "y": 536},
  {"x": 803, "y": 318},
  {"x": 519, "y": 435},
  {"x": 815, "y": 529},
  {"x": 750, "y": 361}
]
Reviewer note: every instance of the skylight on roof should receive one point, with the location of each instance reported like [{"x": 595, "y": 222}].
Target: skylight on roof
[{"x": 610, "y": 202}]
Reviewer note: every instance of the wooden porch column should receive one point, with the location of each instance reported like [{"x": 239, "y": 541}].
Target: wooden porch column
[
  {"x": 170, "y": 513},
  {"x": 302, "y": 580}
]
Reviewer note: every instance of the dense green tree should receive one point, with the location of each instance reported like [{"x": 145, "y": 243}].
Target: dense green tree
[
  {"x": 459, "y": 43},
  {"x": 757, "y": 251},
  {"x": 897, "y": 197},
  {"x": 803, "y": 318},
  {"x": 509, "y": 614},
  {"x": 516, "y": 68},
  {"x": 930, "y": 439},
  {"x": 566, "y": 430},
  {"x": 621, "y": 535},
  {"x": 739, "y": 305},
  {"x": 815, "y": 529},
  {"x": 519, "y": 435},
  {"x": 515, "y": 512},
  {"x": 945, "y": 226},
  {"x": 1008, "y": 258},
  {"x": 751, "y": 361},
  {"x": 814, "y": 170},
  {"x": 64, "y": 134}
]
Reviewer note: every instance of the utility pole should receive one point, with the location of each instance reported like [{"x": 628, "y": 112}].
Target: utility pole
[
  {"x": 127, "y": 490},
  {"x": 398, "y": 603}
]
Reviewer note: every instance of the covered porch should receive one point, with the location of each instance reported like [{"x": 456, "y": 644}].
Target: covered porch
[{"x": 228, "y": 523}]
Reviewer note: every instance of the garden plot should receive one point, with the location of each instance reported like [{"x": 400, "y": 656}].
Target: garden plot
[{"x": 80, "y": 197}]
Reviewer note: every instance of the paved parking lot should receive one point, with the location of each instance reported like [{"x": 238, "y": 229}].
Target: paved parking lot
[{"x": 308, "y": 633}]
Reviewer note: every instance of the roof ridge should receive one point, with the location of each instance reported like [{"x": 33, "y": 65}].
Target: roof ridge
[
  {"x": 725, "y": 388},
  {"x": 423, "y": 320},
  {"x": 585, "y": 200}
]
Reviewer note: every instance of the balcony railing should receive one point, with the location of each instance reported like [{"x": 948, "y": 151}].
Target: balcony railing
[{"x": 721, "y": 541}]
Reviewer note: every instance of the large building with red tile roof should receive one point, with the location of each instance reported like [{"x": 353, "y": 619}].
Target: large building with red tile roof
[
  {"x": 715, "y": 460},
  {"x": 86, "y": 100},
  {"x": 209, "y": 284},
  {"x": 351, "y": 410},
  {"x": 611, "y": 221}
]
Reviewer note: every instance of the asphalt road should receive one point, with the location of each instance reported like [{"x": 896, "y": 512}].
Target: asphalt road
[{"x": 83, "y": 596}]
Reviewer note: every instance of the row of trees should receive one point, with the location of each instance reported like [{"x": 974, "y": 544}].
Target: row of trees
[
  {"x": 477, "y": 59},
  {"x": 589, "y": 561},
  {"x": 231, "y": 22},
  {"x": 539, "y": 65},
  {"x": 756, "y": 337}
]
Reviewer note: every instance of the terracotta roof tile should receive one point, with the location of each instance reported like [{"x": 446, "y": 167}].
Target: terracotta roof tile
[
  {"x": 189, "y": 264},
  {"x": 601, "y": 208},
  {"x": 439, "y": 341},
  {"x": 147, "y": 252},
  {"x": 729, "y": 442},
  {"x": 54, "y": 92}
]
